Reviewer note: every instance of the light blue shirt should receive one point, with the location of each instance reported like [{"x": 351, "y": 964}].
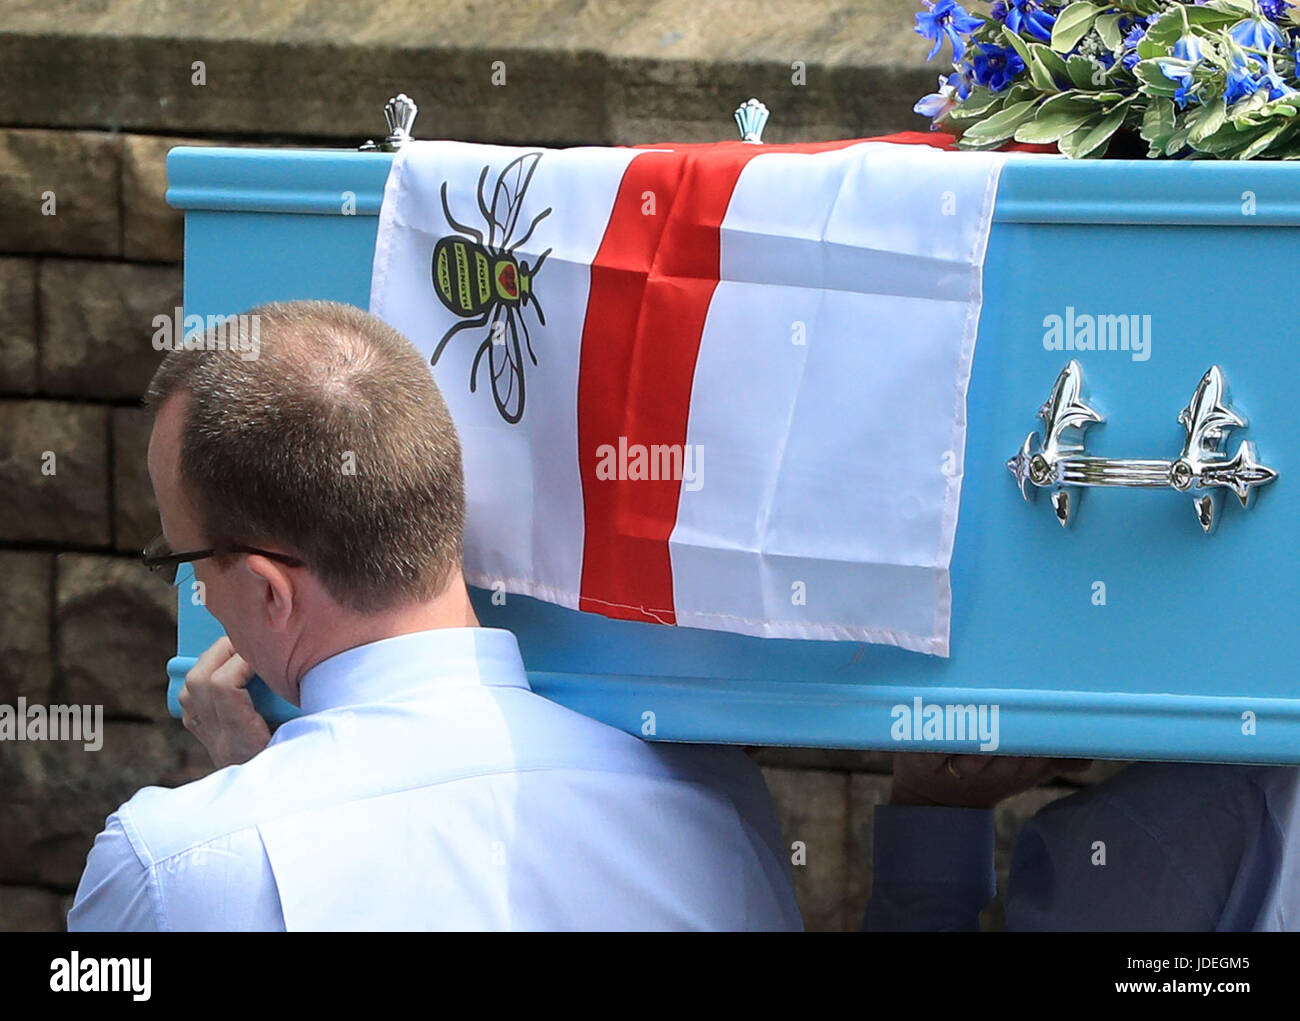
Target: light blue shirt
[
  {"x": 427, "y": 787},
  {"x": 1157, "y": 847}
]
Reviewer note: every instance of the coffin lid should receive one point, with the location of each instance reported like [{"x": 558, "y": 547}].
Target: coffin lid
[{"x": 1033, "y": 189}]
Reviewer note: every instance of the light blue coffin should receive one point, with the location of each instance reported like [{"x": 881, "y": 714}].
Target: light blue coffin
[{"x": 1193, "y": 655}]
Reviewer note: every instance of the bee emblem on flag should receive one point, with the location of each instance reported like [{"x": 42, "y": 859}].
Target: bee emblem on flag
[{"x": 479, "y": 279}]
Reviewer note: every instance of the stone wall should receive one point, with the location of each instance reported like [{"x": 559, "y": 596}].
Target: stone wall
[
  {"x": 89, "y": 253},
  {"x": 92, "y": 96}
]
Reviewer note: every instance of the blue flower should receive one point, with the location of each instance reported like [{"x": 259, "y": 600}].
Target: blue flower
[
  {"x": 1277, "y": 88},
  {"x": 1247, "y": 76},
  {"x": 1242, "y": 82},
  {"x": 1026, "y": 14},
  {"x": 946, "y": 19},
  {"x": 1188, "y": 49},
  {"x": 1135, "y": 33},
  {"x": 996, "y": 66},
  {"x": 1183, "y": 95},
  {"x": 1274, "y": 8},
  {"x": 1257, "y": 34},
  {"x": 952, "y": 90}
]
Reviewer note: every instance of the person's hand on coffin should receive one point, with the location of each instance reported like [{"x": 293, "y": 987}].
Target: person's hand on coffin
[
  {"x": 217, "y": 709},
  {"x": 970, "y": 781}
]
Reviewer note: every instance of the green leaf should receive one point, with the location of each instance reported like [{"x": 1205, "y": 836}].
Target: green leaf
[
  {"x": 1052, "y": 61},
  {"x": 980, "y": 145},
  {"x": 1017, "y": 44},
  {"x": 1108, "y": 28},
  {"x": 1209, "y": 18},
  {"x": 1072, "y": 24},
  {"x": 1040, "y": 75},
  {"x": 1252, "y": 111},
  {"x": 978, "y": 102},
  {"x": 1156, "y": 84},
  {"x": 1021, "y": 92},
  {"x": 1094, "y": 140},
  {"x": 960, "y": 115},
  {"x": 1064, "y": 101},
  {"x": 1285, "y": 148},
  {"x": 1238, "y": 8},
  {"x": 1081, "y": 70},
  {"x": 1147, "y": 49},
  {"x": 1178, "y": 140},
  {"x": 1167, "y": 30},
  {"x": 1230, "y": 138},
  {"x": 1055, "y": 125},
  {"x": 1158, "y": 123},
  {"x": 1002, "y": 125},
  {"x": 1206, "y": 120},
  {"x": 1066, "y": 144},
  {"x": 1263, "y": 141}
]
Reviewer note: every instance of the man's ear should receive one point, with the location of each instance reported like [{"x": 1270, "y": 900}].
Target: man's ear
[{"x": 279, "y": 592}]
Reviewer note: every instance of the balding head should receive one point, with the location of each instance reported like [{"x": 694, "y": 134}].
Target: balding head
[{"x": 333, "y": 444}]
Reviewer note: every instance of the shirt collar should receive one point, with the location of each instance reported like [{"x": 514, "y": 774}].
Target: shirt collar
[{"x": 419, "y": 661}]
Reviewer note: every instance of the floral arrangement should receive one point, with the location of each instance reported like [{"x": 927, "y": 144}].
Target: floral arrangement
[{"x": 1209, "y": 79}]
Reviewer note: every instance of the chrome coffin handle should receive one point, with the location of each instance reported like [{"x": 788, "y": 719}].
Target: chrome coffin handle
[{"x": 1057, "y": 459}]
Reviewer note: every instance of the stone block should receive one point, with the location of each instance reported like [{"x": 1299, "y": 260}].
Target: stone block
[
  {"x": 812, "y": 808},
  {"x": 30, "y": 909},
  {"x": 18, "y": 347},
  {"x": 152, "y": 231},
  {"x": 26, "y": 605},
  {"x": 115, "y": 630},
  {"x": 60, "y": 191},
  {"x": 135, "y": 512},
  {"x": 98, "y": 325},
  {"x": 54, "y": 472},
  {"x": 58, "y": 795}
]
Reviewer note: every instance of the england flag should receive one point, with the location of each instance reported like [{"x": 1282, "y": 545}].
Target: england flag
[{"x": 713, "y": 386}]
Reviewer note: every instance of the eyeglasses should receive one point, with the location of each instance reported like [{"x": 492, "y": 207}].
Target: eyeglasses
[{"x": 160, "y": 559}]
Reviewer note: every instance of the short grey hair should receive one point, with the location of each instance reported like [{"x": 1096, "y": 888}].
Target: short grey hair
[{"x": 267, "y": 444}]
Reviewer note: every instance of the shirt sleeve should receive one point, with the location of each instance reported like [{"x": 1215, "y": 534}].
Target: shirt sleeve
[
  {"x": 932, "y": 869},
  {"x": 117, "y": 891},
  {"x": 1095, "y": 863}
]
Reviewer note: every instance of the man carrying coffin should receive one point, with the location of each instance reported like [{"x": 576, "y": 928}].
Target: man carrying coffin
[{"x": 317, "y": 490}]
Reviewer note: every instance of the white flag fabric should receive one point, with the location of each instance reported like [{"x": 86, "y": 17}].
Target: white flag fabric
[{"x": 713, "y": 386}]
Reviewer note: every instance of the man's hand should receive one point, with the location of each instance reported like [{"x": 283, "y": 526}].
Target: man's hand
[
  {"x": 970, "y": 781},
  {"x": 217, "y": 709}
]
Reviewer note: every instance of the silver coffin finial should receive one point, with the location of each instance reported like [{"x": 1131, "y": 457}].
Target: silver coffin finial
[
  {"x": 400, "y": 113},
  {"x": 751, "y": 119},
  {"x": 1057, "y": 460}
]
